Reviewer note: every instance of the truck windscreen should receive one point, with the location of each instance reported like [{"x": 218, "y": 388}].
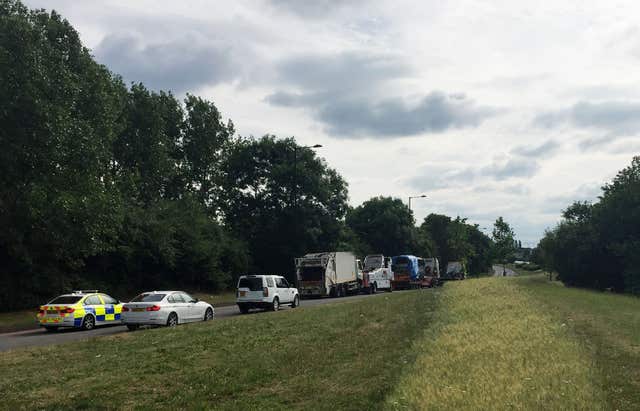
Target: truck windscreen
[
  {"x": 401, "y": 265},
  {"x": 371, "y": 263},
  {"x": 311, "y": 273}
]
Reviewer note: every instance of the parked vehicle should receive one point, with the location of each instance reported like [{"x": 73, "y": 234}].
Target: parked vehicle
[
  {"x": 168, "y": 308},
  {"x": 331, "y": 273},
  {"x": 266, "y": 292},
  {"x": 405, "y": 269},
  {"x": 80, "y": 309},
  {"x": 432, "y": 271},
  {"x": 456, "y": 270},
  {"x": 377, "y": 273}
]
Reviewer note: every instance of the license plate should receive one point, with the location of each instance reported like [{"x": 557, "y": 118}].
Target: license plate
[
  {"x": 243, "y": 293},
  {"x": 52, "y": 311},
  {"x": 138, "y": 309}
]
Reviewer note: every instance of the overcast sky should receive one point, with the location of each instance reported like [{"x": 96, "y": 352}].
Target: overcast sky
[{"x": 490, "y": 108}]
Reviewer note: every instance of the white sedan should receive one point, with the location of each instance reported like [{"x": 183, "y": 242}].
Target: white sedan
[{"x": 168, "y": 308}]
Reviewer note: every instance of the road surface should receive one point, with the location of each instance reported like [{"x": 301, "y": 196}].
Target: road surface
[
  {"x": 497, "y": 271},
  {"x": 40, "y": 337}
]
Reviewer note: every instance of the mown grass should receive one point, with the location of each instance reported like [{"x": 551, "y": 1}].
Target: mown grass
[
  {"x": 342, "y": 356},
  {"x": 608, "y": 328},
  {"x": 492, "y": 346},
  {"x": 489, "y": 343},
  {"x": 18, "y": 320}
]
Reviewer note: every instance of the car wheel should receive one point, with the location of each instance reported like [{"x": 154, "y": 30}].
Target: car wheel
[
  {"x": 132, "y": 327},
  {"x": 296, "y": 302},
  {"x": 208, "y": 315},
  {"x": 172, "y": 321},
  {"x": 243, "y": 309},
  {"x": 88, "y": 323},
  {"x": 275, "y": 306},
  {"x": 51, "y": 329}
]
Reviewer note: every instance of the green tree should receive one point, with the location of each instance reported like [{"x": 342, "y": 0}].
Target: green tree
[
  {"x": 435, "y": 228},
  {"x": 385, "y": 225},
  {"x": 148, "y": 148},
  {"x": 260, "y": 181},
  {"x": 503, "y": 240},
  {"x": 206, "y": 142},
  {"x": 60, "y": 114}
]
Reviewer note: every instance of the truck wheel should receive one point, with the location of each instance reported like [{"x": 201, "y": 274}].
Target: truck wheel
[
  {"x": 275, "y": 306},
  {"x": 334, "y": 292},
  {"x": 243, "y": 308},
  {"x": 132, "y": 327},
  {"x": 374, "y": 288},
  {"x": 296, "y": 302}
]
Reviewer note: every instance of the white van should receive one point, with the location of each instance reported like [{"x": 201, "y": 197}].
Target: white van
[{"x": 266, "y": 292}]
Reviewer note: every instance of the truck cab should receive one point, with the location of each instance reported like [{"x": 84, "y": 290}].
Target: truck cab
[
  {"x": 405, "y": 271},
  {"x": 377, "y": 273}
]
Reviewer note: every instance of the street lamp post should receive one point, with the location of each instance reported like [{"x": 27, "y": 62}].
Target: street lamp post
[{"x": 420, "y": 196}]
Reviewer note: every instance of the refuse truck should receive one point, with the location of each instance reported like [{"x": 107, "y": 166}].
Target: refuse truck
[{"x": 332, "y": 273}]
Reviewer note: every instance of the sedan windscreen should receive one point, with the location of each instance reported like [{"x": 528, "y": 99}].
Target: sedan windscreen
[
  {"x": 66, "y": 299},
  {"x": 253, "y": 284},
  {"x": 148, "y": 298}
]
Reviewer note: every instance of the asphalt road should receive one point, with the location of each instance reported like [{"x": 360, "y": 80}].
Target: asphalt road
[
  {"x": 40, "y": 337},
  {"x": 497, "y": 271}
]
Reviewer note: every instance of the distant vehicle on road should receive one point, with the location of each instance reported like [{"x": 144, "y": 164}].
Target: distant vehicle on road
[
  {"x": 377, "y": 273},
  {"x": 266, "y": 292},
  {"x": 456, "y": 270},
  {"x": 432, "y": 272},
  {"x": 168, "y": 308},
  {"x": 406, "y": 272},
  {"x": 80, "y": 309},
  {"x": 331, "y": 273}
]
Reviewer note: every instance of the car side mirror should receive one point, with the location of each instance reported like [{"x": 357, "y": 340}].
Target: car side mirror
[{"x": 195, "y": 300}]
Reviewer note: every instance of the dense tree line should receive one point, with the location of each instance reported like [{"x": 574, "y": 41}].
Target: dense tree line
[
  {"x": 386, "y": 225},
  {"x": 597, "y": 245},
  {"x": 104, "y": 185}
]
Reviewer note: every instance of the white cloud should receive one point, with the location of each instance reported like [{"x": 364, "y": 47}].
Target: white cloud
[{"x": 375, "y": 71}]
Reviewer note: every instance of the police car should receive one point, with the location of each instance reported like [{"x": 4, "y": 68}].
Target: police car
[{"x": 80, "y": 309}]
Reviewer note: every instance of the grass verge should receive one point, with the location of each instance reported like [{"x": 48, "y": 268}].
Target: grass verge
[
  {"x": 493, "y": 347},
  {"x": 217, "y": 300},
  {"x": 342, "y": 356},
  {"x": 608, "y": 328},
  {"x": 18, "y": 320}
]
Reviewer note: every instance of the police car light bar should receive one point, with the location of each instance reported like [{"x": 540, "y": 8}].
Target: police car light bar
[{"x": 85, "y": 291}]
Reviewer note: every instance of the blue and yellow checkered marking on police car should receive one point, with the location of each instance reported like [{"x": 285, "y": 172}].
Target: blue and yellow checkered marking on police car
[{"x": 57, "y": 314}]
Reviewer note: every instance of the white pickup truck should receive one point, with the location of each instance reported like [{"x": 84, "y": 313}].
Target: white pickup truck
[{"x": 377, "y": 273}]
